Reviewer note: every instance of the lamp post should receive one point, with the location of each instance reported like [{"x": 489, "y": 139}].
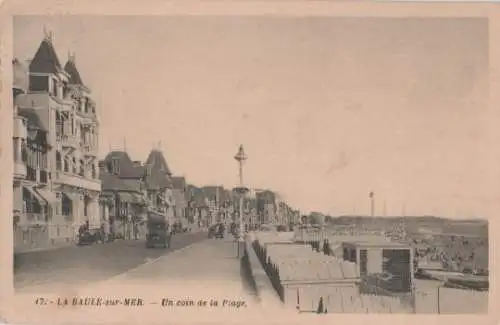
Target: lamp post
[
  {"x": 241, "y": 157},
  {"x": 372, "y": 203}
]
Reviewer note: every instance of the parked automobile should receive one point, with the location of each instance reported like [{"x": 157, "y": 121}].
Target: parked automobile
[{"x": 89, "y": 237}]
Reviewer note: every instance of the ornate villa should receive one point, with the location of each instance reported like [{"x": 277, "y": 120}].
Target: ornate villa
[{"x": 60, "y": 188}]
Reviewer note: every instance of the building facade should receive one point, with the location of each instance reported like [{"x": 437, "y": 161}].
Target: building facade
[
  {"x": 32, "y": 206},
  {"x": 198, "y": 206},
  {"x": 158, "y": 186},
  {"x": 67, "y": 113},
  {"x": 266, "y": 207},
  {"x": 180, "y": 195},
  {"x": 123, "y": 204}
]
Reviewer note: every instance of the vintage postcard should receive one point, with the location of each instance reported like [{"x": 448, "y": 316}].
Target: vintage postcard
[{"x": 245, "y": 162}]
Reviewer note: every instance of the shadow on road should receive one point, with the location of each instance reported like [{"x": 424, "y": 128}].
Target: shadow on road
[
  {"x": 85, "y": 264},
  {"x": 247, "y": 277}
]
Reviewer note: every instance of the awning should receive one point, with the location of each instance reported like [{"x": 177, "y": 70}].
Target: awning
[
  {"x": 47, "y": 195},
  {"x": 67, "y": 196},
  {"x": 156, "y": 217},
  {"x": 126, "y": 197},
  {"x": 37, "y": 196}
]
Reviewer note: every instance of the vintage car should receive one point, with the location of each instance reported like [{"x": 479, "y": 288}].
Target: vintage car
[
  {"x": 158, "y": 233},
  {"x": 89, "y": 237},
  {"x": 216, "y": 231}
]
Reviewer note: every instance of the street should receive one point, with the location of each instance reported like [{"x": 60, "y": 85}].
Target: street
[{"x": 76, "y": 265}]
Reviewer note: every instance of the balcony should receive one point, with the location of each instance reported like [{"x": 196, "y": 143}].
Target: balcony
[
  {"x": 89, "y": 150},
  {"x": 35, "y": 217},
  {"x": 77, "y": 181},
  {"x": 68, "y": 141},
  {"x": 20, "y": 171}
]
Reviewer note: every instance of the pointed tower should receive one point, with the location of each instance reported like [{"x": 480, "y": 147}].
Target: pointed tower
[{"x": 45, "y": 60}]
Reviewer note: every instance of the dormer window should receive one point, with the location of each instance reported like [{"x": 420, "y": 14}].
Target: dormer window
[
  {"x": 86, "y": 105},
  {"x": 55, "y": 88},
  {"x": 148, "y": 170},
  {"x": 115, "y": 166}
]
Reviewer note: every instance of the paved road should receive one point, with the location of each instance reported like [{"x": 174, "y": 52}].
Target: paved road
[{"x": 85, "y": 264}]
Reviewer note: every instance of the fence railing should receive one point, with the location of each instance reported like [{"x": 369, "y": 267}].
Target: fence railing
[{"x": 444, "y": 300}]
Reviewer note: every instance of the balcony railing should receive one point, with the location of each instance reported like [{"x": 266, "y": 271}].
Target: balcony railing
[
  {"x": 77, "y": 181},
  {"x": 89, "y": 150},
  {"x": 31, "y": 174},
  {"x": 35, "y": 217},
  {"x": 68, "y": 141}
]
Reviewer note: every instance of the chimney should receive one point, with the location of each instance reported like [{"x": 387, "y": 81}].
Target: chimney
[{"x": 137, "y": 163}]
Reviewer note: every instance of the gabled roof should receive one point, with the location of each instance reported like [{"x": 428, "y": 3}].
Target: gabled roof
[
  {"x": 45, "y": 59},
  {"x": 157, "y": 180},
  {"x": 127, "y": 168},
  {"x": 160, "y": 173},
  {"x": 111, "y": 182},
  {"x": 267, "y": 196},
  {"x": 156, "y": 158},
  {"x": 74, "y": 75}
]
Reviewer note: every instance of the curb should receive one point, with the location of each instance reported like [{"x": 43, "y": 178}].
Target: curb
[{"x": 267, "y": 294}]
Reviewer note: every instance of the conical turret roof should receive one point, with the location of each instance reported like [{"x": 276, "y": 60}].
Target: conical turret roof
[{"x": 45, "y": 59}]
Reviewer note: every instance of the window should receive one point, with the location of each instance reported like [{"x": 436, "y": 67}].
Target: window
[
  {"x": 82, "y": 134},
  {"x": 65, "y": 90},
  {"x": 74, "y": 165},
  {"x": 86, "y": 205},
  {"x": 59, "y": 125},
  {"x": 55, "y": 87},
  {"x": 58, "y": 161},
  {"x": 66, "y": 164},
  {"x": 30, "y": 203},
  {"x": 66, "y": 205},
  {"x": 94, "y": 174},
  {"x": 82, "y": 168},
  {"x": 116, "y": 167}
]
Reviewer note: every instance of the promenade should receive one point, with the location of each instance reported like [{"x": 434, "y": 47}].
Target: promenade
[{"x": 170, "y": 286}]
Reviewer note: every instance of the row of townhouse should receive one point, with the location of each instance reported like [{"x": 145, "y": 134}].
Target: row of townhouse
[
  {"x": 133, "y": 190},
  {"x": 56, "y": 185},
  {"x": 212, "y": 204},
  {"x": 273, "y": 209},
  {"x": 58, "y": 181}
]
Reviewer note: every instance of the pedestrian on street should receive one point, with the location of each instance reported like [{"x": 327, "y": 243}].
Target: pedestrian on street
[
  {"x": 136, "y": 230},
  {"x": 105, "y": 227}
]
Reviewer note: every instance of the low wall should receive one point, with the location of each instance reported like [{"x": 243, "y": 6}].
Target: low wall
[{"x": 268, "y": 296}]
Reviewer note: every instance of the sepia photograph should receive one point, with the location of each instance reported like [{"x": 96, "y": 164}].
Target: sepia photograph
[{"x": 239, "y": 164}]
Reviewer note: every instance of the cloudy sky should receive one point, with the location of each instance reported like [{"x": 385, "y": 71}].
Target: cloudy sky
[{"x": 328, "y": 109}]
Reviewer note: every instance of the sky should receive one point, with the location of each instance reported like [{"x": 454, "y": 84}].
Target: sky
[{"x": 328, "y": 109}]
